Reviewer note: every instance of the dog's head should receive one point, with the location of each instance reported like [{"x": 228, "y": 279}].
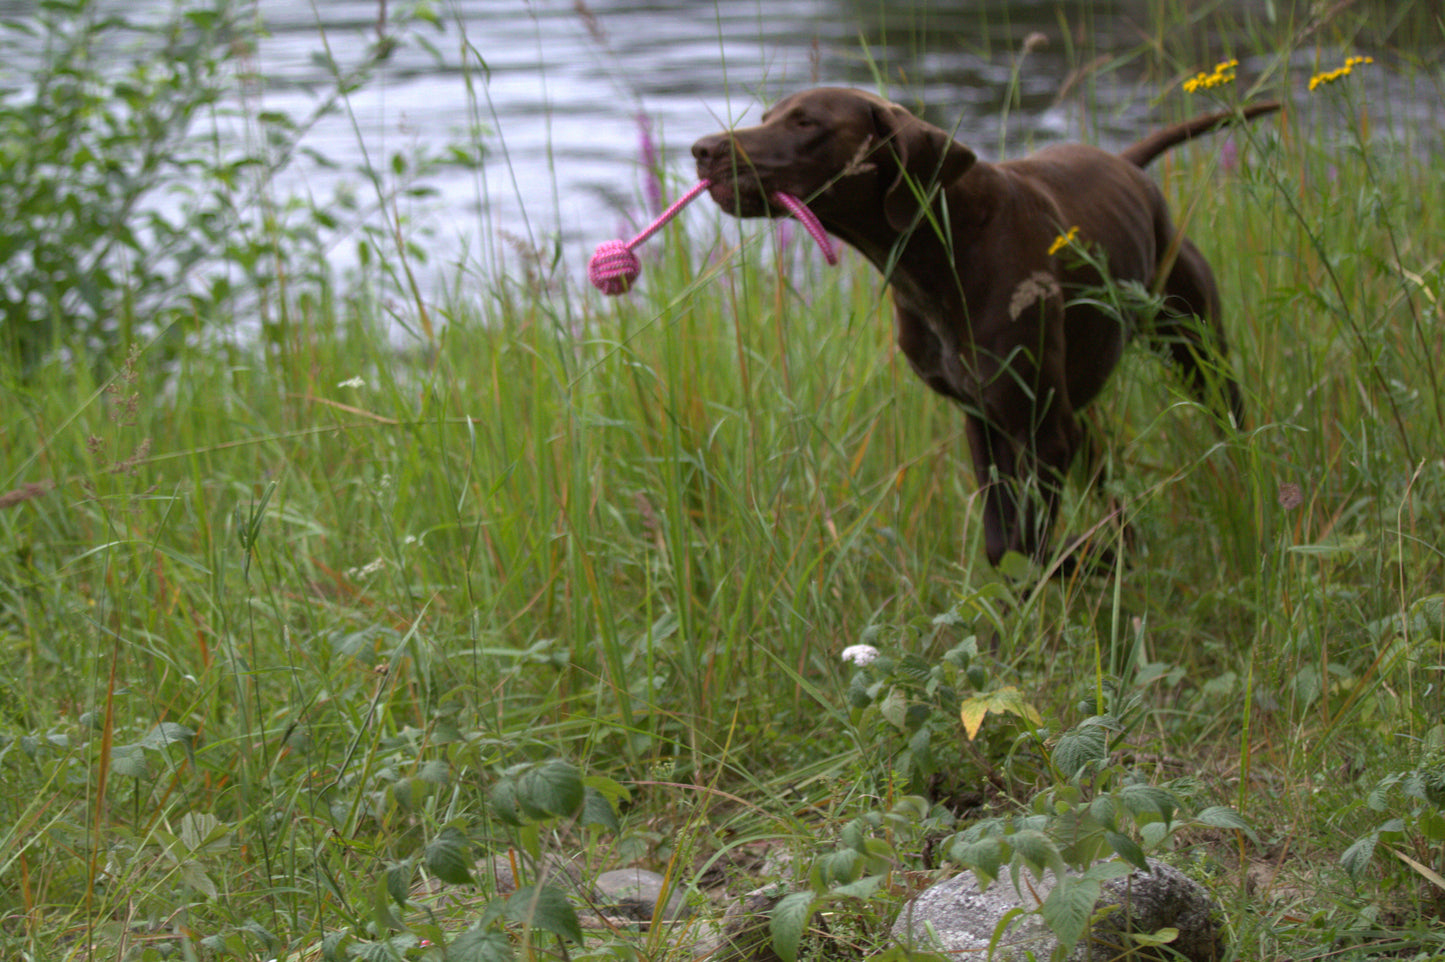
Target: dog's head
[{"x": 835, "y": 149}]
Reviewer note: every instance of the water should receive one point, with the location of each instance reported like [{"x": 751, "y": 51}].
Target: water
[
  {"x": 551, "y": 94},
  {"x": 562, "y": 89}
]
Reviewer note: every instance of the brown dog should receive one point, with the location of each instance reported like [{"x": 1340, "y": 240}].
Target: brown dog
[{"x": 981, "y": 294}]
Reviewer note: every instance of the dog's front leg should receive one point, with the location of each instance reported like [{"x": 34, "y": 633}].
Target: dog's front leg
[{"x": 1021, "y": 450}]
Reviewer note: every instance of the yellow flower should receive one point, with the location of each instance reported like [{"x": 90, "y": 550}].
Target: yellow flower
[
  {"x": 1223, "y": 73},
  {"x": 1330, "y": 76},
  {"x": 1063, "y": 240}
]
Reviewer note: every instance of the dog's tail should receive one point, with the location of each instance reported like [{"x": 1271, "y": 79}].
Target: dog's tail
[{"x": 1156, "y": 143}]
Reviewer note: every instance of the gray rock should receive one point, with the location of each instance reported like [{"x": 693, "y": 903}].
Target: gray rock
[
  {"x": 497, "y": 870},
  {"x": 964, "y": 919},
  {"x": 634, "y": 893}
]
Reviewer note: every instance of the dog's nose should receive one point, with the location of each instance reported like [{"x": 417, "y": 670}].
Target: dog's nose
[{"x": 708, "y": 148}]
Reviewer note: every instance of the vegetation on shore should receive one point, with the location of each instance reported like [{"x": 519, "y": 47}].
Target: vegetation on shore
[{"x": 298, "y": 627}]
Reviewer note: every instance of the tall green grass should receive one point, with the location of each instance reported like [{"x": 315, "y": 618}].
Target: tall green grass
[{"x": 275, "y": 613}]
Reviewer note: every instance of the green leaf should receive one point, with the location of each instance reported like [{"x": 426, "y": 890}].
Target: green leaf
[
  {"x": 598, "y": 811},
  {"x": 894, "y": 708},
  {"x": 1357, "y": 857},
  {"x": 837, "y": 868},
  {"x": 1068, "y": 909},
  {"x": 1127, "y": 849},
  {"x": 1038, "y": 852},
  {"x": 544, "y": 907},
  {"x": 381, "y": 899},
  {"x": 448, "y": 857},
  {"x": 1162, "y": 937},
  {"x": 552, "y": 788},
  {"x": 129, "y": 760},
  {"x": 202, "y": 830},
  {"x": 862, "y": 889},
  {"x": 1078, "y": 748},
  {"x": 480, "y": 945},
  {"x": 195, "y": 876},
  {"x": 788, "y": 923},
  {"x": 984, "y": 856},
  {"x": 334, "y": 945},
  {"x": 398, "y": 882},
  {"x": 434, "y": 772},
  {"x": 168, "y": 734},
  {"x": 503, "y": 801},
  {"x": 609, "y": 788},
  {"x": 1103, "y": 812},
  {"x": 1222, "y": 816},
  {"x": 1148, "y": 800}
]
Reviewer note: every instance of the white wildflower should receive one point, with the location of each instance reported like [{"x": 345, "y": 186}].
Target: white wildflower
[
  {"x": 367, "y": 570},
  {"x": 860, "y": 655},
  {"x": 352, "y": 382}
]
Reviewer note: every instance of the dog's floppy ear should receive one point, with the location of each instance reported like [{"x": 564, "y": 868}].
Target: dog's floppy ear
[{"x": 928, "y": 159}]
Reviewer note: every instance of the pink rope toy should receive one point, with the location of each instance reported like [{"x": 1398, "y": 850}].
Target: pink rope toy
[{"x": 614, "y": 267}]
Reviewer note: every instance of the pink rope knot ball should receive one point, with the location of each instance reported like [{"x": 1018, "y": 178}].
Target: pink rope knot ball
[{"x": 613, "y": 268}]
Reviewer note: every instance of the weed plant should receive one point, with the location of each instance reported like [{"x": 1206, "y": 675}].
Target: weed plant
[{"x": 309, "y": 642}]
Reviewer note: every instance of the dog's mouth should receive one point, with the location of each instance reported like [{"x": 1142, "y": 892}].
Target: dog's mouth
[{"x": 740, "y": 193}]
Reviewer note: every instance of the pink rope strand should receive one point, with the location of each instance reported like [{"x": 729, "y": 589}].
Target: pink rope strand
[
  {"x": 614, "y": 267},
  {"x": 810, "y": 223}
]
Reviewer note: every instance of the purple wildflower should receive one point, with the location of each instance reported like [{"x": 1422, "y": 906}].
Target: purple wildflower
[
  {"x": 651, "y": 164},
  {"x": 1228, "y": 155}
]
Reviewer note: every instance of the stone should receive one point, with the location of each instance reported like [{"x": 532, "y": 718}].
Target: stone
[
  {"x": 633, "y": 893},
  {"x": 963, "y": 919}
]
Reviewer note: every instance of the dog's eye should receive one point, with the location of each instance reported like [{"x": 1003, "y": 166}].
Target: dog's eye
[{"x": 803, "y": 122}]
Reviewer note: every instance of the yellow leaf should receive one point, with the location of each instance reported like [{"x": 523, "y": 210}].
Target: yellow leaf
[{"x": 1007, "y": 700}]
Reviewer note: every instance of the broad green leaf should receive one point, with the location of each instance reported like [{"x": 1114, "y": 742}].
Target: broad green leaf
[
  {"x": 373, "y": 952},
  {"x": 480, "y": 945},
  {"x": 984, "y": 856},
  {"x": 598, "y": 811},
  {"x": 334, "y": 945},
  {"x": 609, "y": 788},
  {"x": 202, "y": 830},
  {"x": 1148, "y": 800},
  {"x": 1068, "y": 909},
  {"x": 129, "y": 760},
  {"x": 1222, "y": 816},
  {"x": 1356, "y": 858},
  {"x": 434, "y": 772},
  {"x": 1079, "y": 748},
  {"x": 544, "y": 907},
  {"x": 381, "y": 899},
  {"x": 552, "y": 788},
  {"x": 1103, "y": 811},
  {"x": 1127, "y": 849},
  {"x": 1432, "y": 826},
  {"x": 1037, "y": 851},
  {"x": 789, "y": 920},
  {"x": 861, "y": 889},
  {"x": 398, "y": 882},
  {"x": 838, "y": 868},
  {"x": 854, "y": 836},
  {"x": 195, "y": 876},
  {"x": 503, "y": 800},
  {"x": 894, "y": 708},
  {"x": 448, "y": 857}
]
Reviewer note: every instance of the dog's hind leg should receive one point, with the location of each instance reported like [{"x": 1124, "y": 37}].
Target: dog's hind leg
[{"x": 1188, "y": 331}]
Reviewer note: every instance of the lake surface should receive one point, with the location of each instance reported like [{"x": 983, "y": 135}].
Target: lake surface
[{"x": 552, "y": 95}]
